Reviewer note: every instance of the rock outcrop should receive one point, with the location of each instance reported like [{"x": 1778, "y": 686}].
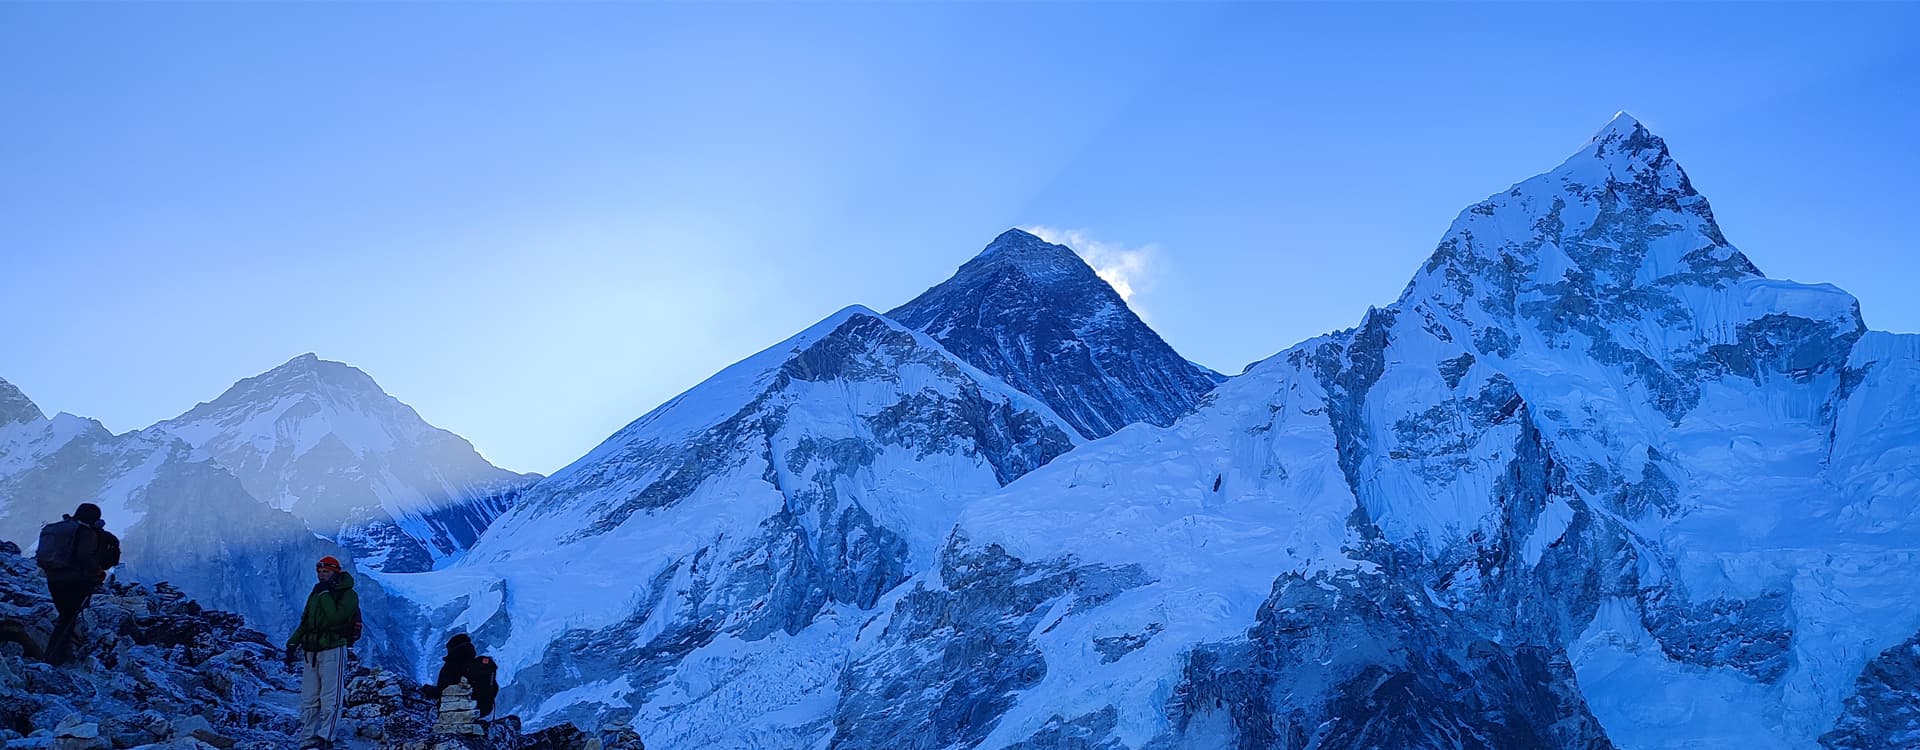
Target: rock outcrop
[{"x": 154, "y": 670}]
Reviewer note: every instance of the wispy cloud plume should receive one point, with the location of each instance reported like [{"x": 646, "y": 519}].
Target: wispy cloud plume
[{"x": 1127, "y": 269}]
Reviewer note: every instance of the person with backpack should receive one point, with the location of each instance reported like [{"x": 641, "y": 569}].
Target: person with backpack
[
  {"x": 329, "y": 624},
  {"x": 76, "y": 552},
  {"x": 463, "y": 661}
]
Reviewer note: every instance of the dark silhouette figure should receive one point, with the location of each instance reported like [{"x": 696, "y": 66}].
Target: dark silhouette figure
[
  {"x": 76, "y": 552},
  {"x": 465, "y": 662}
]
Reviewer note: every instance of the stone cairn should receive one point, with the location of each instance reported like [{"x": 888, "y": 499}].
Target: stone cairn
[{"x": 458, "y": 726}]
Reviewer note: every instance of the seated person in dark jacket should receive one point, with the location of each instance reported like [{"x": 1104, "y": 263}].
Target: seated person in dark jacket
[{"x": 463, "y": 661}]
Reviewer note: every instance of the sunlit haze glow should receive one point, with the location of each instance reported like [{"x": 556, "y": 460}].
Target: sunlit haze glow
[{"x": 536, "y": 222}]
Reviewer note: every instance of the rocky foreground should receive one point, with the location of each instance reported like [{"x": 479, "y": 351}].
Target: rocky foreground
[{"x": 156, "y": 671}]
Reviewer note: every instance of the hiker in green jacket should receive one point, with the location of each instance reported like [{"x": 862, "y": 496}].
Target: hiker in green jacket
[{"x": 330, "y": 623}]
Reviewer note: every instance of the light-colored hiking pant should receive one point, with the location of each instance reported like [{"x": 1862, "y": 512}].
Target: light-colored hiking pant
[{"x": 321, "y": 692}]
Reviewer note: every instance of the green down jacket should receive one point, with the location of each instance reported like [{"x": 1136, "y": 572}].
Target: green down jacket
[{"x": 332, "y": 616}]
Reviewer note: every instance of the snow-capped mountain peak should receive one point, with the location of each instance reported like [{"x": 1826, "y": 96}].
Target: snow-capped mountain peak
[
  {"x": 321, "y": 439},
  {"x": 15, "y": 407},
  {"x": 1035, "y": 315},
  {"x": 1621, "y": 126},
  {"x": 1021, "y": 250},
  {"x": 1614, "y": 252},
  {"x": 305, "y": 401}
]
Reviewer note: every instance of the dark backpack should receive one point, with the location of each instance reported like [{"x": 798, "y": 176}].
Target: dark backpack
[
  {"x": 486, "y": 686},
  {"x": 58, "y": 541},
  {"x": 108, "y": 552}
]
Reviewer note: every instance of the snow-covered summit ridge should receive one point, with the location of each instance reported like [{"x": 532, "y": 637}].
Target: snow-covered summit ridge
[
  {"x": 1025, "y": 251},
  {"x": 15, "y": 407},
  {"x": 325, "y": 397},
  {"x": 714, "y": 399},
  {"x": 781, "y": 497},
  {"x": 321, "y": 439},
  {"x": 830, "y": 362},
  {"x": 1623, "y": 124}
]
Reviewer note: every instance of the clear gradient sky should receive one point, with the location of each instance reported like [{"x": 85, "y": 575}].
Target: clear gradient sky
[{"x": 536, "y": 222}]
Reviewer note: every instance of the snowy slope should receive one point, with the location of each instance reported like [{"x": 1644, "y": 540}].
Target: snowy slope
[
  {"x": 320, "y": 439},
  {"x": 710, "y": 561},
  {"x": 15, "y": 407},
  {"x": 1037, "y": 316},
  {"x": 181, "y": 517},
  {"x": 1592, "y": 480}
]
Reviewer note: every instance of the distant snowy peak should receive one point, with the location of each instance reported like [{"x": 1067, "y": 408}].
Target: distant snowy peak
[
  {"x": 304, "y": 401},
  {"x": 15, "y": 407},
  {"x": 323, "y": 440},
  {"x": 1035, "y": 315}
]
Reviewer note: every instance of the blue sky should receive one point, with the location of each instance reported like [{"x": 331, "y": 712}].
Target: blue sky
[{"x": 536, "y": 222}]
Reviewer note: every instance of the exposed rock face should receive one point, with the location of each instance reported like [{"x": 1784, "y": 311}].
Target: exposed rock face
[
  {"x": 1035, "y": 315},
  {"x": 152, "y": 668},
  {"x": 15, "y": 407},
  {"x": 779, "y": 502},
  {"x": 156, "y": 671},
  {"x": 1884, "y": 710}
]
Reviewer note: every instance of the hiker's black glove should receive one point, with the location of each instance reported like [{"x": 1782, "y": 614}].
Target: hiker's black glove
[{"x": 292, "y": 657}]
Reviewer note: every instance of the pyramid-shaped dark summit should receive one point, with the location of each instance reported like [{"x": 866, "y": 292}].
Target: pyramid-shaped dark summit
[{"x": 1035, "y": 315}]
